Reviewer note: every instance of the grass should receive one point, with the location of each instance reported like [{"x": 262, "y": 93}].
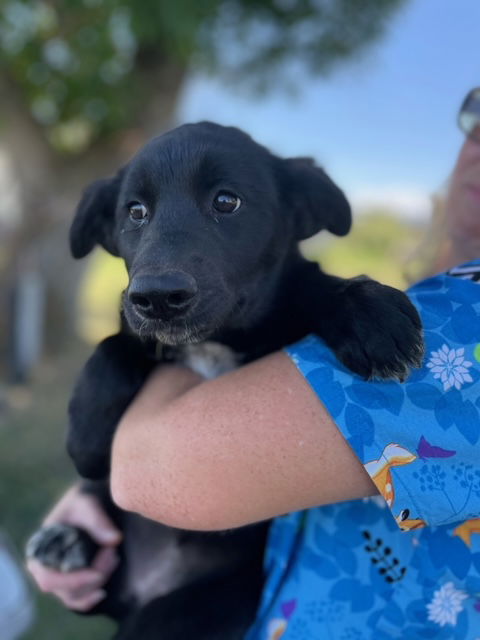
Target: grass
[
  {"x": 34, "y": 472},
  {"x": 379, "y": 245}
]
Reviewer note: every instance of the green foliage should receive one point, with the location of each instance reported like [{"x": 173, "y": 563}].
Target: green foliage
[
  {"x": 319, "y": 34},
  {"x": 35, "y": 471},
  {"x": 380, "y": 245},
  {"x": 98, "y": 297},
  {"x": 80, "y": 64}
]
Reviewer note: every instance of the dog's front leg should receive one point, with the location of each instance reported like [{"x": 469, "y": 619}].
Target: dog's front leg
[
  {"x": 107, "y": 384},
  {"x": 373, "y": 329}
]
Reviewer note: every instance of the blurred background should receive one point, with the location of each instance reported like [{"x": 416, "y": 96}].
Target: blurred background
[{"x": 370, "y": 89}]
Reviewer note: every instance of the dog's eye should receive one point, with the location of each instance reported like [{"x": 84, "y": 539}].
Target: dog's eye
[
  {"x": 137, "y": 211},
  {"x": 226, "y": 202}
]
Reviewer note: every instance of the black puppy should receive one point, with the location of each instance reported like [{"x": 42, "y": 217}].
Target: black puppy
[{"x": 208, "y": 223}]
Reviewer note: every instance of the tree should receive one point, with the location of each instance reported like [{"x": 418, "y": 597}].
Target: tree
[{"x": 83, "y": 83}]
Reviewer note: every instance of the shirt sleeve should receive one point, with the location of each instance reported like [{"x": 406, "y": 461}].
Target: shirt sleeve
[{"x": 418, "y": 440}]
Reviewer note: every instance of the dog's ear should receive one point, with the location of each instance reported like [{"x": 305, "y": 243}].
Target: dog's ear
[
  {"x": 95, "y": 218},
  {"x": 314, "y": 199}
]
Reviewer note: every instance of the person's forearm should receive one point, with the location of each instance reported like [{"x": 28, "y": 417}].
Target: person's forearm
[{"x": 245, "y": 447}]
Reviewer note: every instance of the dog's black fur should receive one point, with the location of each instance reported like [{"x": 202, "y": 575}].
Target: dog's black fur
[{"x": 208, "y": 223}]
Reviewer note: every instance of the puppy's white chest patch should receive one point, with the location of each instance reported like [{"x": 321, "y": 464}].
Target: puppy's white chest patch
[
  {"x": 209, "y": 359},
  {"x": 158, "y": 575}
]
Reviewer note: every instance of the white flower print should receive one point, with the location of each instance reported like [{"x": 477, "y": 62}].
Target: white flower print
[
  {"x": 446, "y": 605},
  {"x": 276, "y": 628},
  {"x": 450, "y": 366},
  {"x": 378, "y": 501}
]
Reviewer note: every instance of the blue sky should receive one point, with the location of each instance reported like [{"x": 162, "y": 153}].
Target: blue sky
[{"x": 383, "y": 126}]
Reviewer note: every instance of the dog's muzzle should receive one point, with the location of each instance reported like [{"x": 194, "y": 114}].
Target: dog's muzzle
[{"x": 163, "y": 297}]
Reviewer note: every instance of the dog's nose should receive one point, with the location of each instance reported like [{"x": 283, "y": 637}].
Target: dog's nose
[{"x": 164, "y": 296}]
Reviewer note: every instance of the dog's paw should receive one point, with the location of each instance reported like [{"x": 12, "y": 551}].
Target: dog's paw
[
  {"x": 384, "y": 337},
  {"x": 62, "y": 547}
]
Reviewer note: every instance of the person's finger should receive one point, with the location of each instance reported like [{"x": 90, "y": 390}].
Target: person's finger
[
  {"x": 93, "y": 519},
  {"x": 49, "y": 580},
  {"x": 86, "y": 602},
  {"x": 79, "y": 593},
  {"x": 106, "y": 561},
  {"x": 85, "y": 511}
]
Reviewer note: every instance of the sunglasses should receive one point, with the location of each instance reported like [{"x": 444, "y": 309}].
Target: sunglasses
[{"x": 469, "y": 115}]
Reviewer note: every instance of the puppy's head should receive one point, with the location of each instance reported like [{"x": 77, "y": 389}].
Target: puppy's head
[{"x": 204, "y": 218}]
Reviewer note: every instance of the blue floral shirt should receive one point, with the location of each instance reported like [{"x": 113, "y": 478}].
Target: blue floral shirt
[{"x": 405, "y": 564}]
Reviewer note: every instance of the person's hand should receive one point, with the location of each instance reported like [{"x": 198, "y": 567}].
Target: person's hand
[{"x": 80, "y": 590}]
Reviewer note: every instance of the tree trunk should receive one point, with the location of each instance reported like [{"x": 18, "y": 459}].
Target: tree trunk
[{"x": 50, "y": 185}]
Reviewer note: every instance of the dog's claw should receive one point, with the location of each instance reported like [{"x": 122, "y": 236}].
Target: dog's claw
[{"x": 385, "y": 340}]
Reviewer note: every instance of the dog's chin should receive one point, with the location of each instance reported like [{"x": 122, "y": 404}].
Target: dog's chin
[
  {"x": 173, "y": 333},
  {"x": 178, "y": 336}
]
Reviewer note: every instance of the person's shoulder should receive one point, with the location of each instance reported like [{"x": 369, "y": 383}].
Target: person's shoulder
[
  {"x": 467, "y": 271},
  {"x": 456, "y": 283}
]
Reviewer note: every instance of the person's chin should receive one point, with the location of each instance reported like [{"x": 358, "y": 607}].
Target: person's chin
[{"x": 473, "y": 194}]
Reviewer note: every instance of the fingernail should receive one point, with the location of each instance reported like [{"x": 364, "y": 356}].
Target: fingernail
[
  {"x": 87, "y": 603},
  {"x": 97, "y": 596},
  {"x": 109, "y": 537}
]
